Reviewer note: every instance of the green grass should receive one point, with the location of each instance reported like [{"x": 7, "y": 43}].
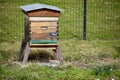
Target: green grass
[
  {"x": 83, "y": 60},
  {"x": 35, "y": 72},
  {"x": 102, "y": 19}
]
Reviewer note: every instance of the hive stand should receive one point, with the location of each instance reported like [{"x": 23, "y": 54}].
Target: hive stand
[
  {"x": 41, "y": 30},
  {"x": 26, "y": 47}
]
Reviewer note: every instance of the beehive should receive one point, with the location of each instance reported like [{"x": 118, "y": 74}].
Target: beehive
[
  {"x": 41, "y": 26},
  {"x": 41, "y": 21}
]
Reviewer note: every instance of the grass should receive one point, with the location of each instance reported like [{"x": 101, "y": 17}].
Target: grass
[
  {"x": 102, "y": 19},
  {"x": 93, "y": 59},
  {"x": 35, "y": 72},
  {"x": 88, "y": 60}
]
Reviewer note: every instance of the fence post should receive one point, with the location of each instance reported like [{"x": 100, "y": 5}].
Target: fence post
[{"x": 84, "y": 22}]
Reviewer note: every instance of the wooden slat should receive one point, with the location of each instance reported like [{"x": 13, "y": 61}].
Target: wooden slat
[
  {"x": 43, "y": 48},
  {"x": 44, "y": 30},
  {"x": 27, "y": 52},
  {"x": 43, "y": 18},
  {"x": 43, "y": 45},
  {"x": 42, "y": 27},
  {"x": 23, "y": 45},
  {"x": 43, "y": 24},
  {"x": 44, "y": 12},
  {"x": 40, "y": 36}
]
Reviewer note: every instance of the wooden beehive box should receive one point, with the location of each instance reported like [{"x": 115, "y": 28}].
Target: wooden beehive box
[
  {"x": 41, "y": 22},
  {"x": 41, "y": 30}
]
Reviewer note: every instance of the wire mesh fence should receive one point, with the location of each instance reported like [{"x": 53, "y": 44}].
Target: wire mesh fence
[{"x": 103, "y": 19}]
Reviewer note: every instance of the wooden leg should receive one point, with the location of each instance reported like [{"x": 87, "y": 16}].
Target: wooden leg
[
  {"x": 20, "y": 55},
  {"x": 27, "y": 51},
  {"x": 55, "y": 53},
  {"x": 59, "y": 53}
]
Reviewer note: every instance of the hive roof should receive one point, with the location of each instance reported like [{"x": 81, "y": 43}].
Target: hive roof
[{"x": 38, "y": 6}]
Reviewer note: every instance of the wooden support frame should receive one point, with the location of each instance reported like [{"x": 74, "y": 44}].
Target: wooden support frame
[
  {"x": 22, "y": 48},
  {"x": 27, "y": 52},
  {"x": 27, "y": 47},
  {"x": 40, "y": 22},
  {"x": 59, "y": 50}
]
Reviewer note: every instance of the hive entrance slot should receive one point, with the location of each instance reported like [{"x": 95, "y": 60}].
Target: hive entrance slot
[{"x": 44, "y": 27}]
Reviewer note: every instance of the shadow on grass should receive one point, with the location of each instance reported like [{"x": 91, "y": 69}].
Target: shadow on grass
[
  {"x": 118, "y": 50},
  {"x": 7, "y": 56},
  {"x": 42, "y": 56}
]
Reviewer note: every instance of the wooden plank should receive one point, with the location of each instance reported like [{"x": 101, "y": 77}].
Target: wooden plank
[
  {"x": 44, "y": 30},
  {"x": 44, "y": 12},
  {"x": 42, "y": 48},
  {"x": 59, "y": 52},
  {"x": 21, "y": 50},
  {"x": 55, "y": 54},
  {"x": 43, "y": 18},
  {"x": 43, "y": 45},
  {"x": 40, "y": 27},
  {"x": 27, "y": 52},
  {"x": 40, "y": 36},
  {"x": 43, "y": 24}
]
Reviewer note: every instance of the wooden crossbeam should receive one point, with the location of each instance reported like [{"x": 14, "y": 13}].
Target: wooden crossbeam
[
  {"x": 43, "y": 45},
  {"x": 26, "y": 47},
  {"x": 42, "y": 48}
]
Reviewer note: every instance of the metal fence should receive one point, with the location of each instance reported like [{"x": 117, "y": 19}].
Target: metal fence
[{"x": 103, "y": 19}]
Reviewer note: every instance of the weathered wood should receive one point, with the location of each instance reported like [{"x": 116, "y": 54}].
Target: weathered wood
[
  {"x": 39, "y": 36},
  {"x": 43, "y": 27},
  {"x": 39, "y": 24},
  {"x": 44, "y": 12},
  {"x": 59, "y": 53},
  {"x": 53, "y": 19},
  {"x": 42, "y": 48},
  {"x": 44, "y": 30},
  {"x": 26, "y": 26},
  {"x": 43, "y": 45},
  {"x": 43, "y": 24},
  {"x": 20, "y": 55},
  {"x": 55, "y": 54},
  {"x": 27, "y": 52}
]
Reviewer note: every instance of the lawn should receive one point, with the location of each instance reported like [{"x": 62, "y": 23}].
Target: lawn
[
  {"x": 98, "y": 58},
  {"x": 83, "y": 60},
  {"x": 102, "y": 19}
]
